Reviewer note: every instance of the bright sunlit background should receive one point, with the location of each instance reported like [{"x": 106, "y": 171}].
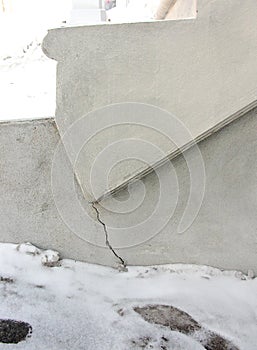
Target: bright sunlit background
[{"x": 27, "y": 77}]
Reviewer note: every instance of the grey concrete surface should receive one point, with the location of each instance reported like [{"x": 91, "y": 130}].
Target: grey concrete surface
[
  {"x": 27, "y": 208},
  {"x": 199, "y": 70},
  {"x": 204, "y": 77},
  {"x": 223, "y": 234}
]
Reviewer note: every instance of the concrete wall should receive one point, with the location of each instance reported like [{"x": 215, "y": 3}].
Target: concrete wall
[
  {"x": 223, "y": 234},
  {"x": 200, "y": 207},
  {"x": 198, "y": 70},
  {"x": 27, "y": 208}
]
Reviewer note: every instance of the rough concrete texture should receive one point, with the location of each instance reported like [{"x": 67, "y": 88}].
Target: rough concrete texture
[
  {"x": 223, "y": 233},
  {"x": 27, "y": 208},
  {"x": 200, "y": 70}
]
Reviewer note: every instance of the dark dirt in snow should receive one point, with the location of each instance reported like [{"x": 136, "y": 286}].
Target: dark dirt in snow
[
  {"x": 180, "y": 321},
  {"x": 12, "y": 332}
]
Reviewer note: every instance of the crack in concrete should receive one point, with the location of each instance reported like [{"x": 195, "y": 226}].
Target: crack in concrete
[{"x": 122, "y": 262}]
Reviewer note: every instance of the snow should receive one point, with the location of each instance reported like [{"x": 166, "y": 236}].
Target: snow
[
  {"x": 27, "y": 87},
  {"x": 75, "y": 305},
  {"x": 27, "y": 84},
  {"x": 137, "y": 11},
  {"x": 27, "y": 77}
]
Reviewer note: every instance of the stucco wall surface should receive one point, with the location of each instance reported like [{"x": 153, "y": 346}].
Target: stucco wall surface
[
  {"x": 198, "y": 70},
  {"x": 37, "y": 204},
  {"x": 27, "y": 208}
]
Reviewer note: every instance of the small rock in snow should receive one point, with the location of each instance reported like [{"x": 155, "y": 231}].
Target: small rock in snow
[
  {"x": 240, "y": 275},
  {"x": 50, "y": 258},
  {"x": 6, "y": 279},
  {"x": 250, "y": 274},
  {"x": 28, "y": 248}
]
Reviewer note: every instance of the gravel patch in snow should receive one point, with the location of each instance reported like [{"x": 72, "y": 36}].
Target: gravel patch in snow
[{"x": 13, "y": 332}]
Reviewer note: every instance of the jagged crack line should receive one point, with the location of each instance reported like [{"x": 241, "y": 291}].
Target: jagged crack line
[{"x": 106, "y": 234}]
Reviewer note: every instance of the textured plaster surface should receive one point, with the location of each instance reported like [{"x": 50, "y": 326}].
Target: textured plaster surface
[
  {"x": 27, "y": 208},
  {"x": 200, "y": 70},
  {"x": 223, "y": 233}
]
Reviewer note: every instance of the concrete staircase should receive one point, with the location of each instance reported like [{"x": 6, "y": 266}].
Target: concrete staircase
[{"x": 151, "y": 157}]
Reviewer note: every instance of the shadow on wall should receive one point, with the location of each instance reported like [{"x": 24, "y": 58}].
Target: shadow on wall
[
  {"x": 145, "y": 10},
  {"x": 176, "y": 9}
]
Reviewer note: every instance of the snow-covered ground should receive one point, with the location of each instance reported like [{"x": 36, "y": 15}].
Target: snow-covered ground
[
  {"x": 27, "y": 77},
  {"x": 27, "y": 86},
  {"x": 76, "y": 305}
]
